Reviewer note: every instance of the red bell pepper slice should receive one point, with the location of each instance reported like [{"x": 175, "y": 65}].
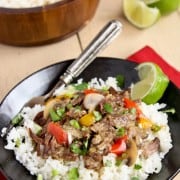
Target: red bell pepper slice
[
  {"x": 119, "y": 146},
  {"x": 131, "y": 104},
  {"x": 89, "y": 91},
  {"x": 56, "y": 130}
]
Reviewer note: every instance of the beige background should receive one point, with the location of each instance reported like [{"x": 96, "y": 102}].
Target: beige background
[{"x": 18, "y": 62}]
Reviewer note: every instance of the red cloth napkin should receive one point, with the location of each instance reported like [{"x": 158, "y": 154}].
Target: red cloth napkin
[
  {"x": 2, "y": 176},
  {"x": 147, "y": 54}
]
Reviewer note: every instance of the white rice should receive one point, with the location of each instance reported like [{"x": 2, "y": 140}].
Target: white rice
[
  {"x": 25, "y": 3},
  {"x": 36, "y": 165}
]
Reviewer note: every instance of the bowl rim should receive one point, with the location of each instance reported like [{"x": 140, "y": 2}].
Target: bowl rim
[{"x": 8, "y": 10}]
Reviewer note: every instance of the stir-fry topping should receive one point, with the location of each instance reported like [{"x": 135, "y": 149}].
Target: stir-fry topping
[{"x": 92, "y": 123}]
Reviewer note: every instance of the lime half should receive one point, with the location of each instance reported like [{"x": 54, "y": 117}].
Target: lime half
[
  {"x": 139, "y": 14},
  {"x": 152, "y": 85}
]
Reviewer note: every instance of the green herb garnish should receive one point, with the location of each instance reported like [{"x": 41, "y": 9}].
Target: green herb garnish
[
  {"x": 69, "y": 106},
  {"x": 137, "y": 166},
  {"x": 39, "y": 177},
  {"x": 118, "y": 162},
  {"x": 120, "y": 80},
  {"x": 79, "y": 149},
  {"x": 73, "y": 174},
  {"x": 108, "y": 108},
  {"x": 17, "y": 142},
  {"x": 97, "y": 115},
  {"x": 17, "y": 119},
  {"x": 132, "y": 110},
  {"x": 60, "y": 111},
  {"x": 108, "y": 163},
  {"x": 54, "y": 172},
  {"x": 134, "y": 178},
  {"x": 54, "y": 116},
  {"x": 172, "y": 110},
  {"x": 120, "y": 132},
  {"x": 155, "y": 128},
  {"x": 75, "y": 124},
  {"x": 81, "y": 87}
]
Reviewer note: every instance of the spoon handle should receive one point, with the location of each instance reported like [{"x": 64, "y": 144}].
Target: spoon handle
[{"x": 102, "y": 39}]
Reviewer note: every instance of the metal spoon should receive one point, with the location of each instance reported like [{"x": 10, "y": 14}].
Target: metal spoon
[{"x": 102, "y": 39}]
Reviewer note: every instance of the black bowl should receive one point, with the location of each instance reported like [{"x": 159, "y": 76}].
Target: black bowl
[{"x": 41, "y": 81}]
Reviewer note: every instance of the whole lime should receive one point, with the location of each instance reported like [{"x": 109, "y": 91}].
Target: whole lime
[{"x": 166, "y": 6}]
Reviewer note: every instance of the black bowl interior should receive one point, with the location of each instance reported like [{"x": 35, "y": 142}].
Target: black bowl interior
[{"x": 41, "y": 81}]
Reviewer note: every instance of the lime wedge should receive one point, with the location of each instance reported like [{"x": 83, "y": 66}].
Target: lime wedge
[
  {"x": 152, "y": 85},
  {"x": 139, "y": 14},
  {"x": 150, "y": 1},
  {"x": 166, "y": 6}
]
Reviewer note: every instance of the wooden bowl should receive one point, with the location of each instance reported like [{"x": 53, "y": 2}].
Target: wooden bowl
[{"x": 46, "y": 24}]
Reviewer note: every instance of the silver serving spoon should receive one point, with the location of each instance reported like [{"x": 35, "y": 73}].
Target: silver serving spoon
[{"x": 102, "y": 39}]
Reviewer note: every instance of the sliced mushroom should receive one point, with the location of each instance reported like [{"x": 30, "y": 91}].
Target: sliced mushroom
[
  {"x": 132, "y": 152},
  {"x": 49, "y": 105},
  {"x": 92, "y": 100}
]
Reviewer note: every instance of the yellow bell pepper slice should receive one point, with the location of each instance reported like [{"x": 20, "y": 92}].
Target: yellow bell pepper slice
[
  {"x": 145, "y": 123},
  {"x": 87, "y": 120}
]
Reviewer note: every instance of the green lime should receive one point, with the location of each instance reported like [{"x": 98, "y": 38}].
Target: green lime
[
  {"x": 166, "y": 6},
  {"x": 152, "y": 85},
  {"x": 139, "y": 14},
  {"x": 150, "y": 1}
]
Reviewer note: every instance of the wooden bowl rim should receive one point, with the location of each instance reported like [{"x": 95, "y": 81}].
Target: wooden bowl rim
[{"x": 35, "y": 9}]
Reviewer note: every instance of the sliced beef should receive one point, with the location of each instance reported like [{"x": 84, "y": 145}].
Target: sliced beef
[
  {"x": 138, "y": 134},
  {"x": 75, "y": 113},
  {"x": 75, "y": 133},
  {"x": 39, "y": 119},
  {"x": 151, "y": 147},
  {"x": 78, "y": 100},
  {"x": 35, "y": 138},
  {"x": 93, "y": 161}
]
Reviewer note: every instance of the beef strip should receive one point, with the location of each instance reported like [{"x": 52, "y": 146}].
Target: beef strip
[
  {"x": 39, "y": 119},
  {"x": 75, "y": 113},
  {"x": 35, "y": 138},
  {"x": 78, "y": 100},
  {"x": 93, "y": 161},
  {"x": 138, "y": 134},
  {"x": 151, "y": 147}
]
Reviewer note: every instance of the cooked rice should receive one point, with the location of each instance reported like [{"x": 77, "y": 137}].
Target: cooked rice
[
  {"x": 25, "y": 3},
  {"x": 36, "y": 165}
]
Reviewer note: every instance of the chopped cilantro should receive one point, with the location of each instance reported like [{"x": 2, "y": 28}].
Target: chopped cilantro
[
  {"x": 81, "y": 87},
  {"x": 118, "y": 162},
  {"x": 137, "y": 166},
  {"x": 120, "y": 80}
]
